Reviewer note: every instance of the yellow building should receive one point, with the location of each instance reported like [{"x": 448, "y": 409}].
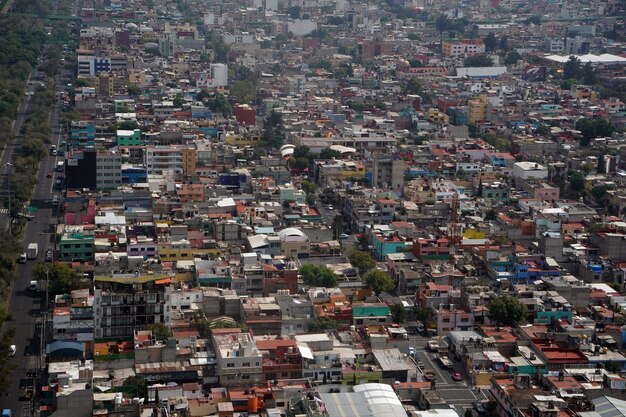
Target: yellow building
[
  {"x": 437, "y": 116},
  {"x": 242, "y": 140},
  {"x": 353, "y": 169},
  {"x": 189, "y": 161},
  {"x": 477, "y": 110},
  {"x": 175, "y": 251}
]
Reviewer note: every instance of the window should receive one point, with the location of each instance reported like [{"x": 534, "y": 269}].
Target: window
[
  {"x": 230, "y": 365},
  {"x": 246, "y": 364}
]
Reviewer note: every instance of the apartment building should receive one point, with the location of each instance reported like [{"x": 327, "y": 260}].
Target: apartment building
[
  {"x": 462, "y": 47},
  {"x": 178, "y": 159},
  {"x": 129, "y": 302},
  {"x": 108, "y": 170},
  {"x": 239, "y": 361}
]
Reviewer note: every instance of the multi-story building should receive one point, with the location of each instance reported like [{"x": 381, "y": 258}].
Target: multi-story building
[
  {"x": 281, "y": 359},
  {"x": 82, "y": 134},
  {"x": 108, "y": 170},
  {"x": 452, "y": 319},
  {"x": 178, "y": 159},
  {"x": 129, "y": 302},
  {"x": 129, "y": 137},
  {"x": 477, "y": 109},
  {"x": 239, "y": 361},
  {"x": 462, "y": 47},
  {"x": 72, "y": 318},
  {"x": 76, "y": 246}
]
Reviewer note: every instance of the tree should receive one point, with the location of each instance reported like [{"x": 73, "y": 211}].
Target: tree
[
  {"x": 139, "y": 383},
  {"x": 588, "y": 74},
  {"x": 328, "y": 153},
  {"x": 413, "y": 85},
  {"x": 504, "y": 43},
  {"x": 422, "y": 314},
  {"x": 512, "y": 57},
  {"x": 442, "y": 23},
  {"x": 577, "y": 182},
  {"x": 490, "y": 215},
  {"x": 491, "y": 42},
  {"x": 469, "y": 413},
  {"x": 398, "y": 313},
  {"x": 593, "y": 128},
  {"x": 362, "y": 261},
  {"x": 478, "y": 61},
  {"x": 571, "y": 69},
  {"x": 308, "y": 187},
  {"x": 599, "y": 193},
  {"x": 61, "y": 278},
  {"x": 243, "y": 91},
  {"x": 337, "y": 226},
  {"x": 134, "y": 90},
  {"x": 318, "y": 276},
  {"x": 601, "y": 168},
  {"x": 322, "y": 324},
  {"x": 178, "y": 100},
  {"x": 294, "y": 12},
  {"x": 379, "y": 281},
  {"x": 159, "y": 330},
  {"x": 507, "y": 310}
]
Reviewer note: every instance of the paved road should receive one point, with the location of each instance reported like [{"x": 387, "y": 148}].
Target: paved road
[{"x": 25, "y": 306}]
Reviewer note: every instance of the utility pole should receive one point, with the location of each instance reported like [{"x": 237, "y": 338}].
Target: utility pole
[{"x": 8, "y": 171}]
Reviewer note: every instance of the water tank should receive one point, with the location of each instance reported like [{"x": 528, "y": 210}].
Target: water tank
[{"x": 253, "y": 404}]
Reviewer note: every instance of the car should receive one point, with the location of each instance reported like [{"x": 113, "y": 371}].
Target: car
[
  {"x": 343, "y": 236},
  {"x": 411, "y": 351},
  {"x": 12, "y": 350},
  {"x": 457, "y": 376},
  {"x": 479, "y": 407},
  {"x": 49, "y": 175},
  {"x": 48, "y": 256},
  {"x": 23, "y": 258},
  {"x": 330, "y": 208},
  {"x": 420, "y": 364}
]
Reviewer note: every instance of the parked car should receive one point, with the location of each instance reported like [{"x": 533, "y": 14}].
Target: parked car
[
  {"x": 479, "y": 407},
  {"x": 411, "y": 351},
  {"x": 22, "y": 259},
  {"x": 48, "y": 256},
  {"x": 12, "y": 350},
  {"x": 457, "y": 376}
]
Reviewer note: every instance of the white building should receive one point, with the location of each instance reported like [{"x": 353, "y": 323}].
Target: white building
[
  {"x": 108, "y": 170},
  {"x": 526, "y": 170},
  {"x": 219, "y": 75}
]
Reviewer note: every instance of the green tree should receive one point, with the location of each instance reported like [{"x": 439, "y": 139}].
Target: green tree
[
  {"x": 318, "y": 276},
  {"x": 204, "y": 328},
  {"x": 243, "y": 91},
  {"x": 308, "y": 187},
  {"x": 577, "y": 182},
  {"x": 507, "y": 310},
  {"x": 601, "y": 167},
  {"x": 294, "y": 12},
  {"x": 593, "y": 128},
  {"x": 160, "y": 331},
  {"x": 588, "y": 74},
  {"x": 469, "y": 413},
  {"x": 398, "y": 313},
  {"x": 422, "y": 313},
  {"x": 504, "y": 43},
  {"x": 572, "y": 68},
  {"x": 491, "y": 42},
  {"x": 490, "y": 215},
  {"x": 442, "y": 23},
  {"x": 379, "y": 281},
  {"x": 328, "y": 153},
  {"x": 61, "y": 278},
  {"x": 337, "y": 226},
  {"x": 139, "y": 383},
  {"x": 134, "y": 90},
  {"x": 413, "y": 85},
  {"x": 478, "y": 61},
  {"x": 512, "y": 57},
  {"x": 178, "y": 100},
  {"x": 322, "y": 324},
  {"x": 362, "y": 261},
  {"x": 599, "y": 193}
]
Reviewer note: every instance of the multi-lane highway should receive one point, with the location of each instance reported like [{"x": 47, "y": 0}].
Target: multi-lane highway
[{"x": 26, "y": 307}]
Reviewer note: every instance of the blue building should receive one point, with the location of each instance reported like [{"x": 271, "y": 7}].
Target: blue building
[
  {"x": 133, "y": 175},
  {"x": 82, "y": 135}
]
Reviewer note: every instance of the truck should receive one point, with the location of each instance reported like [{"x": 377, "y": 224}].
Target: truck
[{"x": 32, "y": 251}]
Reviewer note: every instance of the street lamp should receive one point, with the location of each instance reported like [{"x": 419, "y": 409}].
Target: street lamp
[{"x": 8, "y": 172}]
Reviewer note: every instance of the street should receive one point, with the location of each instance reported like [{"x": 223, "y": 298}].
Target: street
[{"x": 25, "y": 306}]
